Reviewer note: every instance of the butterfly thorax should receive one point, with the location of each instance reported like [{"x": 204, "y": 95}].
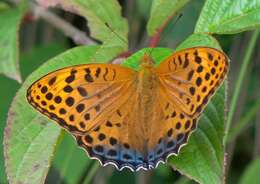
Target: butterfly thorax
[{"x": 147, "y": 79}]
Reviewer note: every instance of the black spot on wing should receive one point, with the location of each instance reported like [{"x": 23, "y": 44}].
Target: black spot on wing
[
  {"x": 70, "y": 79},
  {"x": 82, "y": 91},
  {"x": 98, "y": 70},
  {"x": 190, "y": 74},
  {"x": 67, "y": 89},
  {"x": 186, "y": 61},
  {"x": 52, "y": 81},
  {"x": 105, "y": 74},
  {"x": 180, "y": 60},
  {"x": 114, "y": 74},
  {"x": 210, "y": 56}
]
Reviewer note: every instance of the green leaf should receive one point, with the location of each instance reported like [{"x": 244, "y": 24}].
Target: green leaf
[
  {"x": 251, "y": 174},
  {"x": 202, "y": 158},
  {"x": 36, "y": 56},
  {"x": 196, "y": 40},
  {"x": 158, "y": 54},
  {"x": 28, "y": 62},
  {"x": 9, "y": 51},
  {"x": 183, "y": 180},
  {"x": 229, "y": 16},
  {"x": 99, "y": 13},
  {"x": 7, "y": 93},
  {"x": 30, "y": 138},
  {"x": 75, "y": 159},
  {"x": 161, "y": 12}
]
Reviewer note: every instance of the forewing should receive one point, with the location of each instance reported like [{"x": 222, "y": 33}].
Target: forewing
[
  {"x": 190, "y": 77},
  {"x": 79, "y": 97}
]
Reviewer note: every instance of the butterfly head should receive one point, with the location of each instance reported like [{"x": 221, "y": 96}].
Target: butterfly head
[{"x": 147, "y": 61}]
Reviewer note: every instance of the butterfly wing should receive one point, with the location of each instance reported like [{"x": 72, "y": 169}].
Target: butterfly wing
[
  {"x": 190, "y": 77},
  {"x": 169, "y": 131},
  {"x": 80, "y": 97},
  {"x": 114, "y": 141},
  {"x": 98, "y": 105},
  {"x": 187, "y": 80}
]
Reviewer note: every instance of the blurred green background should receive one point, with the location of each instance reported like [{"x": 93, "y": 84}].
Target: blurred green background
[{"x": 40, "y": 41}]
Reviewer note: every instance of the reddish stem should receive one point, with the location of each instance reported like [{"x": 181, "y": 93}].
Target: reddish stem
[
  {"x": 121, "y": 57},
  {"x": 154, "y": 40},
  {"x": 28, "y": 17},
  {"x": 125, "y": 54}
]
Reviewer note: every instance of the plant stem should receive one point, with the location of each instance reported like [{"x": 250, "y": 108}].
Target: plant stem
[
  {"x": 91, "y": 173},
  {"x": 239, "y": 81},
  {"x": 76, "y": 35},
  {"x": 156, "y": 37}
]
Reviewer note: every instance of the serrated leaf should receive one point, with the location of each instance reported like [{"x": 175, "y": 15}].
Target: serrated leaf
[
  {"x": 251, "y": 174},
  {"x": 161, "y": 12},
  {"x": 229, "y": 16},
  {"x": 9, "y": 51},
  {"x": 30, "y": 138},
  {"x": 28, "y": 62},
  {"x": 202, "y": 158},
  {"x": 99, "y": 13}
]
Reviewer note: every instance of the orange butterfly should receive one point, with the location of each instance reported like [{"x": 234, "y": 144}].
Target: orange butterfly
[{"x": 129, "y": 118}]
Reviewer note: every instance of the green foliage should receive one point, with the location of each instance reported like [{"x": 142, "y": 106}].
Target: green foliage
[
  {"x": 251, "y": 174},
  {"x": 74, "y": 158},
  {"x": 161, "y": 12},
  {"x": 3, "y": 6},
  {"x": 31, "y": 140},
  {"x": 29, "y": 61},
  {"x": 9, "y": 51},
  {"x": 158, "y": 54},
  {"x": 244, "y": 122},
  {"x": 239, "y": 81},
  {"x": 229, "y": 16},
  {"x": 99, "y": 13},
  {"x": 7, "y": 93},
  {"x": 144, "y": 7}
]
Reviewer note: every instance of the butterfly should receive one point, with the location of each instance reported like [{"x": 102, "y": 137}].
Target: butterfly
[{"x": 128, "y": 118}]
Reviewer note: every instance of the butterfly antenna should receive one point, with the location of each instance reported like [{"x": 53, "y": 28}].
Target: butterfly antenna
[
  {"x": 175, "y": 22},
  {"x": 120, "y": 37}
]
